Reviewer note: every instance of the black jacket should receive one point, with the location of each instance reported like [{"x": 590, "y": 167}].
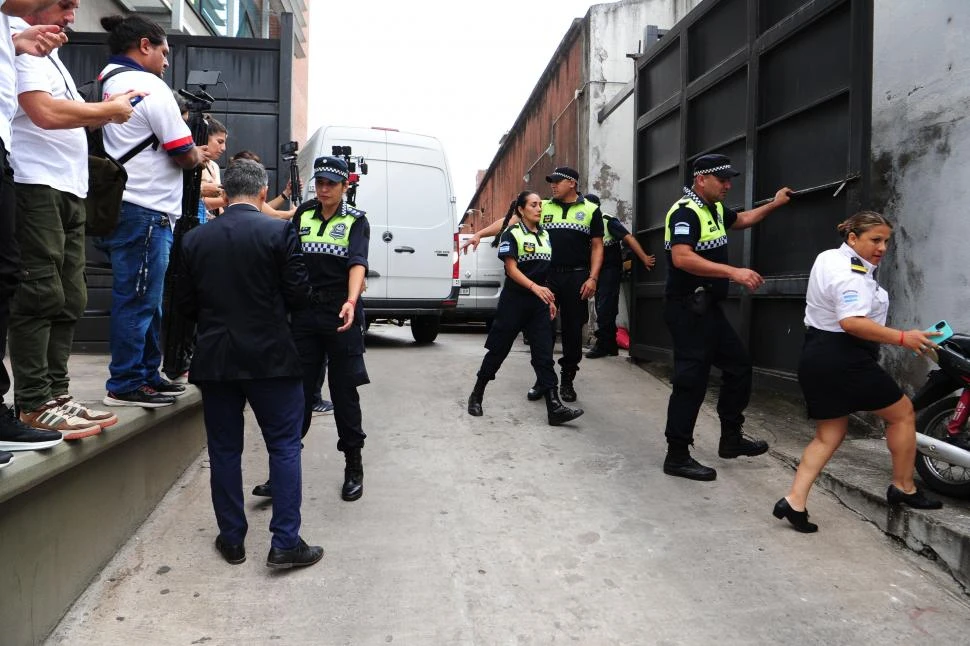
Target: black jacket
[{"x": 242, "y": 272}]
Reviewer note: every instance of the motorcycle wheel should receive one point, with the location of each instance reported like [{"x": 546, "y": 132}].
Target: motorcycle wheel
[{"x": 942, "y": 477}]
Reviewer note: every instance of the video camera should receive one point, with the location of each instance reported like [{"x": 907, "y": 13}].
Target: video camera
[
  {"x": 288, "y": 153},
  {"x": 354, "y": 163}
]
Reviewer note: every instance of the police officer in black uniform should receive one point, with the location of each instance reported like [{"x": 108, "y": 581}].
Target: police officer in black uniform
[
  {"x": 608, "y": 287},
  {"x": 575, "y": 228},
  {"x": 334, "y": 237},
  {"x": 524, "y": 304},
  {"x": 695, "y": 241}
]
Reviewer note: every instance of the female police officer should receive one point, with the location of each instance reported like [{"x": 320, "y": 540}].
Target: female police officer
[
  {"x": 845, "y": 316},
  {"x": 524, "y": 304}
]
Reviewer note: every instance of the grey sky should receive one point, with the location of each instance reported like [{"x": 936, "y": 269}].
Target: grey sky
[{"x": 460, "y": 71}]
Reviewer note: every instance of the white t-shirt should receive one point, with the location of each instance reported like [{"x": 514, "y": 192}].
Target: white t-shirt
[
  {"x": 8, "y": 79},
  {"x": 55, "y": 158},
  {"x": 842, "y": 285},
  {"x": 154, "y": 180}
]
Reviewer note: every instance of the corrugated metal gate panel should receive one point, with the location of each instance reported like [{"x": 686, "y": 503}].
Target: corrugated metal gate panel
[
  {"x": 256, "y": 74},
  {"x": 783, "y": 88}
]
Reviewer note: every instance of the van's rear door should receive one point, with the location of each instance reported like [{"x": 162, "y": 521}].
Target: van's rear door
[{"x": 420, "y": 222}]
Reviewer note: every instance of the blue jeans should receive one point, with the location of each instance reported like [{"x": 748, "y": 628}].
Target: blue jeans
[
  {"x": 138, "y": 249},
  {"x": 278, "y": 407}
]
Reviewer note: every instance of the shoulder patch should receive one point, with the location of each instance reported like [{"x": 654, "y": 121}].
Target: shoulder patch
[
  {"x": 505, "y": 247},
  {"x": 355, "y": 212},
  {"x": 857, "y": 267},
  {"x": 681, "y": 229}
]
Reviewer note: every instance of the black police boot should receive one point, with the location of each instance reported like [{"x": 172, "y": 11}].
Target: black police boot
[
  {"x": 475, "y": 399},
  {"x": 535, "y": 393},
  {"x": 679, "y": 463},
  {"x": 598, "y": 351},
  {"x": 566, "y": 390},
  {"x": 733, "y": 445},
  {"x": 353, "y": 476},
  {"x": 557, "y": 412}
]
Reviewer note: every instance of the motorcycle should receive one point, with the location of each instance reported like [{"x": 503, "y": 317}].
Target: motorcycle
[{"x": 942, "y": 440}]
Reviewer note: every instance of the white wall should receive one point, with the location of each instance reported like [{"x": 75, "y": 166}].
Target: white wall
[
  {"x": 91, "y": 11},
  {"x": 615, "y": 30},
  {"x": 921, "y": 163}
]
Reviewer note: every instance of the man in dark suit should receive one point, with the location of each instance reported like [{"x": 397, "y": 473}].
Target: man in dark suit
[{"x": 244, "y": 271}]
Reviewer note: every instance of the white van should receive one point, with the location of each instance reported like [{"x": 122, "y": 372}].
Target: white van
[
  {"x": 410, "y": 203},
  {"x": 482, "y": 276}
]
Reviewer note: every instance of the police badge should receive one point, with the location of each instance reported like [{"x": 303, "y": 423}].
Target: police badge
[{"x": 529, "y": 247}]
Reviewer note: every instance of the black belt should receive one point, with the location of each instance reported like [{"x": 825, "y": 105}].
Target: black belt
[
  {"x": 563, "y": 269},
  {"x": 327, "y": 295}
]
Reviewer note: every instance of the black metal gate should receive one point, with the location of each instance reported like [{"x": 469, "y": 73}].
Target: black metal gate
[
  {"x": 252, "y": 101},
  {"x": 782, "y": 87}
]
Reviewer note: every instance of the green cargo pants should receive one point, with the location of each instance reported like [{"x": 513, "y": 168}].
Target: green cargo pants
[{"x": 52, "y": 292}]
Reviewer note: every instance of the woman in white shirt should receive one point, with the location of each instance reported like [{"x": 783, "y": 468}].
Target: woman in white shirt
[{"x": 845, "y": 321}]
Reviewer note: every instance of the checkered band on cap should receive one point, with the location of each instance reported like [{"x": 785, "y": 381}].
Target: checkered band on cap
[
  {"x": 331, "y": 169},
  {"x": 709, "y": 171},
  {"x": 561, "y": 176}
]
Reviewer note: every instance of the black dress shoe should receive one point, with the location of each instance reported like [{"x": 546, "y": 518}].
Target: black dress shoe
[
  {"x": 234, "y": 554},
  {"x": 475, "y": 405},
  {"x": 265, "y": 490},
  {"x": 300, "y": 556},
  {"x": 597, "y": 352},
  {"x": 689, "y": 468},
  {"x": 798, "y": 519},
  {"x": 916, "y": 500},
  {"x": 535, "y": 393},
  {"x": 734, "y": 446}
]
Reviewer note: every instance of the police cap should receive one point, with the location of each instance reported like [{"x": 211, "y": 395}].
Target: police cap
[
  {"x": 716, "y": 165},
  {"x": 332, "y": 168},
  {"x": 561, "y": 173}
]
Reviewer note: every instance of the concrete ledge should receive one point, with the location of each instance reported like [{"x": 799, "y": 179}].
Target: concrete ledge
[{"x": 66, "y": 511}]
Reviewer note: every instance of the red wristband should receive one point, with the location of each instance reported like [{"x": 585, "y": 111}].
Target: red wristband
[
  {"x": 352, "y": 302},
  {"x": 901, "y": 333}
]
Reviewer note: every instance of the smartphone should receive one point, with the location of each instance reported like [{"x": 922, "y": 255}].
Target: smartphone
[{"x": 944, "y": 328}]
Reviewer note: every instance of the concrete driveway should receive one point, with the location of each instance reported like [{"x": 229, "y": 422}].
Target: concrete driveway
[{"x": 503, "y": 530}]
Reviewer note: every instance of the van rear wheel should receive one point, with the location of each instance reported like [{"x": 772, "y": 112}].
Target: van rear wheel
[{"x": 425, "y": 329}]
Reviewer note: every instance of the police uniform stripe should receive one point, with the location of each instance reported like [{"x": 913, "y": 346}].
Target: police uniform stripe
[
  {"x": 535, "y": 256},
  {"x": 702, "y": 246},
  {"x": 548, "y": 226},
  {"x": 611, "y": 243},
  {"x": 326, "y": 248}
]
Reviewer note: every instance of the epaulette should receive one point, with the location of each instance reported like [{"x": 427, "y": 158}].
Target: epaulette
[
  {"x": 857, "y": 267},
  {"x": 309, "y": 205},
  {"x": 355, "y": 212}
]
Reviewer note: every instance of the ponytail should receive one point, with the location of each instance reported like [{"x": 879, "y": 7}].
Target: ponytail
[{"x": 517, "y": 203}]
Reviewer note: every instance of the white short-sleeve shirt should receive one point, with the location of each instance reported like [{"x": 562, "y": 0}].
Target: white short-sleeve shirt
[
  {"x": 8, "y": 80},
  {"x": 55, "y": 158},
  {"x": 840, "y": 286},
  {"x": 154, "y": 180}
]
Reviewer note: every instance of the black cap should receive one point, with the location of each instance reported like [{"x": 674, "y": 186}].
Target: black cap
[
  {"x": 592, "y": 197},
  {"x": 716, "y": 165},
  {"x": 563, "y": 172},
  {"x": 332, "y": 168}
]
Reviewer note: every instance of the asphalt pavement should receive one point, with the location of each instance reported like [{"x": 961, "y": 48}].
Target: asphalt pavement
[{"x": 504, "y": 530}]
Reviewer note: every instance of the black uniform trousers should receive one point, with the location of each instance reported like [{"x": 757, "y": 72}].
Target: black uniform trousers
[
  {"x": 9, "y": 258},
  {"x": 607, "y": 306},
  {"x": 700, "y": 341},
  {"x": 318, "y": 343},
  {"x": 519, "y": 310},
  {"x": 573, "y": 314}
]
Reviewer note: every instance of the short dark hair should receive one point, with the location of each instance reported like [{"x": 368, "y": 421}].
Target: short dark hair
[
  {"x": 125, "y": 33},
  {"x": 246, "y": 154},
  {"x": 244, "y": 178}
]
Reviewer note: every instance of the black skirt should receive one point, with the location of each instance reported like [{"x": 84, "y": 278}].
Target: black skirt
[{"x": 839, "y": 375}]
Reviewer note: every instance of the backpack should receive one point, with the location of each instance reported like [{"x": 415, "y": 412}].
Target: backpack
[{"x": 106, "y": 175}]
